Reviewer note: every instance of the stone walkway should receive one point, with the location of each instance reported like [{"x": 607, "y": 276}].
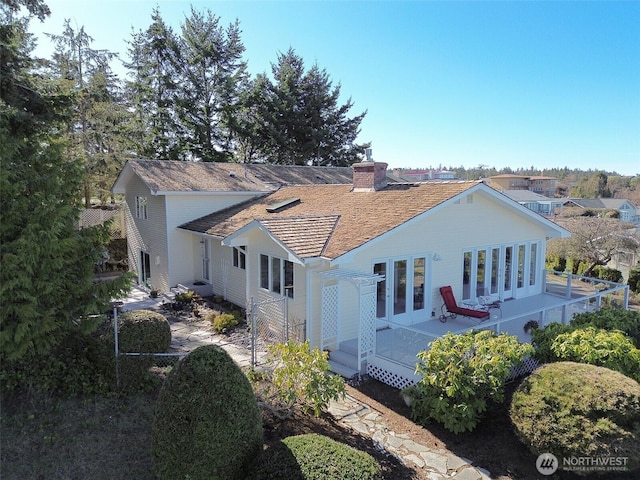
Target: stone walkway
[{"x": 438, "y": 464}]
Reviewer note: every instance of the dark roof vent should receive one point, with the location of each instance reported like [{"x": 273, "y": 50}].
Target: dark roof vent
[{"x": 276, "y": 207}]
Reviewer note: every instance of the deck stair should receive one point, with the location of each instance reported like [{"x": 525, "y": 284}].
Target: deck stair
[{"x": 344, "y": 360}]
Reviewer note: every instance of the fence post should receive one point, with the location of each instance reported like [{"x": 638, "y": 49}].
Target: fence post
[
  {"x": 116, "y": 347},
  {"x": 253, "y": 332},
  {"x": 286, "y": 316}
]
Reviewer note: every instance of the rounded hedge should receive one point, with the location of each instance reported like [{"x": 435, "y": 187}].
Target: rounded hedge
[
  {"x": 578, "y": 410},
  {"x": 314, "y": 457},
  {"x": 208, "y": 425},
  {"x": 143, "y": 331}
]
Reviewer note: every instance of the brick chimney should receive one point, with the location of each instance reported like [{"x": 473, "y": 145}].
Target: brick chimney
[{"x": 369, "y": 176}]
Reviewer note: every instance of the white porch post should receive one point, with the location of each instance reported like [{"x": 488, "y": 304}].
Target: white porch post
[{"x": 367, "y": 325}]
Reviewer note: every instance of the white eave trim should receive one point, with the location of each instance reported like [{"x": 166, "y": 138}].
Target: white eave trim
[
  {"x": 180, "y": 193},
  {"x": 239, "y": 238}
]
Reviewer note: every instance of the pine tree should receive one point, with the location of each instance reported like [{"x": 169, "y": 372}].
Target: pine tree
[
  {"x": 211, "y": 70},
  {"x": 299, "y": 120},
  {"x": 75, "y": 64},
  {"x": 46, "y": 285},
  {"x": 153, "y": 129}
]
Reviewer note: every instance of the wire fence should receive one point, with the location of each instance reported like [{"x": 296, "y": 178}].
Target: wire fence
[{"x": 266, "y": 324}]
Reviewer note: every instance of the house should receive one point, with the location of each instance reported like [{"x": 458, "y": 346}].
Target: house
[
  {"x": 540, "y": 184},
  {"x": 358, "y": 260},
  {"x": 535, "y": 202},
  {"x": 161, "y": 195},
  {"x": 627, "y": 210}
]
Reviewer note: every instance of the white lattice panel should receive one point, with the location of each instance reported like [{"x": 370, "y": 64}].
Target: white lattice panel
[
  {"x": 368, "y": 322},
  {"x": 392, "y": 379},
  {"x": 329, "y": 314},
  {"x": 527, "y": 366}
]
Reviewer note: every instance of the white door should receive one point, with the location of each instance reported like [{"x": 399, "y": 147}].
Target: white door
[
  {"x": 507, "y": 272},
  {"x": 401, "y": 295},
  {"x": 144, "y": 275}
]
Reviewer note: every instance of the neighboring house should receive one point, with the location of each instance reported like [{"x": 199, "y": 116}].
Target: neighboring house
[
  {"x": 627, "y": 209},
  {"x": 355, "y": 258},
  {"x": 535, "y": 183},
  {"x": 535, "y": 202}
]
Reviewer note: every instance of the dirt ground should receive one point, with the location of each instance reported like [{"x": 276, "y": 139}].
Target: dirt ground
[{"x": 492, "y": 445}]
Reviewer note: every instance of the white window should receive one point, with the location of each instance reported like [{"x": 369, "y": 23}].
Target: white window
[
  {"x": 240, "y": 257},
  {"x": 276, "y": 275},
  {"x": 141, "y": 207}
]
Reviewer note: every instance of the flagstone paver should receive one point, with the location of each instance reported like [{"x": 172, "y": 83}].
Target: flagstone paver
[{"x": 438, "y": 464}]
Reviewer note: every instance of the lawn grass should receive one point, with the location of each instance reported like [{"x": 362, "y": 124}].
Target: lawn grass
[{"x": 86, "y": 438}]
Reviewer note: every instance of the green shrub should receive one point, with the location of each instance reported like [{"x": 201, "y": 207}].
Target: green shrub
[
  {"x": 143, "y": 331},
  {"x": 461, "y": 373},
  {"x": 634, "y": 279},
  {"x": 609, "y": 274},
  {"x": 627, "y": 321},
  {"x": 610, "y": 349},
  {"x": 577, "y": 410},
  {"x": 81, "y": 364},
  {"x": 314, "y": 457},
  {"x": 224, "y": 323},
  {"x": 208, "y": 425},
  {"x": 542, "y": 339},
  {"x": 300, "y": 376},
  {"x": 556, "y": 263}
]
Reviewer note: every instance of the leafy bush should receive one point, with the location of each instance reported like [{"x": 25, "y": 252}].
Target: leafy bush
[
  {"x": 600, "y": 347},
  {"x": 208, "y": 425},
  {"x": 634, "y": 279},
  {"x": 577, "y": 410},
  {"x": 143, "y": 331},
  {"x": 223, "y": 323},
  {"x": 300, "y": 376},
  {"x": 314, "y": 457},
  {"x": 556, "y": 263},
  {"x": 460, "y": 373},
  {"x": 627, "y": 321},
  {"x": 80, "y": 365},
  {"x": 542, "y": 339},
  {"x": 188, "y": 297},
  {"x": 609, "y": 274}
]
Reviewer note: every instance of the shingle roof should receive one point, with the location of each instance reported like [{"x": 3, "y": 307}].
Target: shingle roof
[
  {"x": 330, "y": 220},
  {"x": 171, "y": 176}
]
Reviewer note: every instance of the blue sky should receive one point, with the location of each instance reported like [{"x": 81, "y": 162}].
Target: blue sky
[{"x": 451, "y": 83}]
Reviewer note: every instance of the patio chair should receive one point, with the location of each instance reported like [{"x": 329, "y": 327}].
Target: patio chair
[{"x": 450, "y": 309}]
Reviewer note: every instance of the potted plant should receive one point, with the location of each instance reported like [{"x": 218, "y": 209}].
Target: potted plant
[{"x": 530, "y": 325}]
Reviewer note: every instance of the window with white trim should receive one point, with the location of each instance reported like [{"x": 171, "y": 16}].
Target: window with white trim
[
  {"x": 276, "y": 275},
  {"x": 240, "y": 257},
  {"x": 141, "y": 207}
]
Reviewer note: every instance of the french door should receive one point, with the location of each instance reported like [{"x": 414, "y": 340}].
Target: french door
[
  {"x": 501, "y": 272},
  {"x": 401, "y": 295}
]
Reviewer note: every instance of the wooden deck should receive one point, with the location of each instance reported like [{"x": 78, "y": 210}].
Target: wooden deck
[{"x": 399, "y": 344}]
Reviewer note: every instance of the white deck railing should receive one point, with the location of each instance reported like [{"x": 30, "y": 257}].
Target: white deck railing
[{"x": 560, "y": 302}]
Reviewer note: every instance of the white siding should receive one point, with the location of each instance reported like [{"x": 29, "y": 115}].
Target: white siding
[
  {"x": 148, "y": 235},
  {"x": 448, "y": 232},
  {"x": 183, "y": 265}
]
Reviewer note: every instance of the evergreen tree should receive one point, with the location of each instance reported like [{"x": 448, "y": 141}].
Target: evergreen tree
[
  {"x": 211, "y": 71},
  {"x": 299, "y": 119},
  {"x": 75, "y": 63},
  {"x": 47, "y": 265},
  {"x": 153, "y": 129}
]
